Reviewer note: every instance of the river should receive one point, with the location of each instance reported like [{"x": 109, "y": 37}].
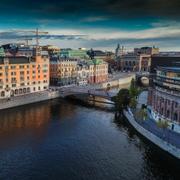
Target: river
[{"x": 63, "y": 140}]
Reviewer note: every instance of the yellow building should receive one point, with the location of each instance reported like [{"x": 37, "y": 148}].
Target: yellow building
[{"x": 63, "y": 71}]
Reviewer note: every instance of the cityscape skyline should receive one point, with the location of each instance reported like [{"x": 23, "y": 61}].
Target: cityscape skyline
[{"x": 100, "y": 24}]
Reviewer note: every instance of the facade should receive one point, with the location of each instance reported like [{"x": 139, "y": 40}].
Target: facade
[
  {"x": 165, "y": 60},
  {"x": 144, "y": 63},
  {"x": 146, "y": 50},
  {"x": 66, "y": 71},
  {"x": 23, "y": 75},
  {"x": 83, "y": 73},
  {"x": 129, "y": 62},
  {"x": 98, "y": 71},
  {"x": 51, "y": 49},
  {"x": 2, "y": 52},
  {"x": 119, "y": 51},
  {"x": 164, "y": 96},
  {"x": 63, "y": 71},
  {"x": 25, "y": 51},
  {"x": 73, "y": 53}
]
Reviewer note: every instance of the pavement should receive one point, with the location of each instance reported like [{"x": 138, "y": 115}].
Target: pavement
[{"x": 150, "y": 124}]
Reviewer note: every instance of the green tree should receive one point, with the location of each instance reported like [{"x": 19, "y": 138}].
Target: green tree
[
  {"x": 162, "y": 124},
  {"x": 122, "y": 99},
  {"x": 133, "y": 90},
  {"x": 133, "y": 103},
  {"x": 142, "y": 114}
]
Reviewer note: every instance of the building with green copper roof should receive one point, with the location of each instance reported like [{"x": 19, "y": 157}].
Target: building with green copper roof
[
  {"x": 2, "y": 52},
  {"x": 72, "y": 53}
]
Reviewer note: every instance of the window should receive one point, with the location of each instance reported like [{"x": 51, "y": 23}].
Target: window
[
  {"x": 13, "y": 73},
  {"x": 2, "y": 94},
  {"x": 13, "y": 67},
  {"x": 21, "y": 72}
]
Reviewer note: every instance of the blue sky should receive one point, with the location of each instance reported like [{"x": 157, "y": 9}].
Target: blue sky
[{"x": 94, "y": 23}]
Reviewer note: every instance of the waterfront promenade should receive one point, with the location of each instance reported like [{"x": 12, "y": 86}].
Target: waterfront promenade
[
  {"x": 150, "y": 124},
  {"x": 165, "y": 138}
]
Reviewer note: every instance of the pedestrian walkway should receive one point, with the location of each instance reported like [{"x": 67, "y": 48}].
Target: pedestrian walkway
[{"x": 150, "y": 124}]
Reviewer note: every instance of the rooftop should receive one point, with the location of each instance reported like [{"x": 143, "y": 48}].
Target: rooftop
[{"x": 170, "y": 69}]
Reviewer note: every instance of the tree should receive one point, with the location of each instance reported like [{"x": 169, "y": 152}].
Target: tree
[
  {"x": 142, "y": 114},
  {"x": 133, "y": 103},
  {"x": 162, "y": 124},
  {"x": 122, "y": 100},
  {"x": 133, "y": 90}
]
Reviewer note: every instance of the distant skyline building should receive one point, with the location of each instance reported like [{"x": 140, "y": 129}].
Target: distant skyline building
[
  {"x": 73, "y": 53},
  {"x": 119, "y": 51},
  {"x": 146, "y": 50}
]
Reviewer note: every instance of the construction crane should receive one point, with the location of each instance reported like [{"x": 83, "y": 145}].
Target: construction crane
[
  {"x": 26, "y": 39},
  {"x": 36, "y": 32}
]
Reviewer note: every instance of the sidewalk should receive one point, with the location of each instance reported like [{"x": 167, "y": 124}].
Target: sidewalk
[{"x": 150, "y": 124}]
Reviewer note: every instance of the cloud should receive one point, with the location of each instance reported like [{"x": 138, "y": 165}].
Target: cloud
[
  {"x": 15, "y": 34},
  {"x": 52, "y": 9}
]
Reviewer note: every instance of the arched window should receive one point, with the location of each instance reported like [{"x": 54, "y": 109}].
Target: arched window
[
  {"x": 16, "y": 91},
  {"x": 20, "y": 91},
  {"x": 24, "y": 90},
  {"x": 28, "y": 90},
  {"x": 175, "y": 116},
  {"x": 12, "y": 92},
  {"x": 2, "y": 94}
]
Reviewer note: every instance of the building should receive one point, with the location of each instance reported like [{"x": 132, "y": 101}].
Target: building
[
  {"x": 144, "y": 63},
  {"x": 146, "y": 50},
  {"x": 164, "y": 96},
  {"x": 83, "y": 73},
  {"x": 2, "y": 52},
  {"x": 25, "y": 51},
  {"x": 63, "y": 71},
  {"x": 52, "y": 50},
  {"x": 66, "y": 71},
  {"x": 73, "y": 53},
  {"x": 165, "y": 60},
  {"x": 119, "y": 51},
  {"x": 98, "y": 71},
  {"x": 129, "y": 62},
  {"x": 21, "y": 75}
]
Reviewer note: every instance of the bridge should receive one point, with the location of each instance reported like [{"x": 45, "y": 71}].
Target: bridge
[
  {"x": 142, "y": 76},
  {"x": 86, "y": 90}
]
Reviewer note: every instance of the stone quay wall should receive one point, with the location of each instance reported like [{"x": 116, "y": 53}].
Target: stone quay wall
[
  {"x": 118, "y": 82},
  {"x": 28, "y": 99},
  {"x": 174, "y": 151}
]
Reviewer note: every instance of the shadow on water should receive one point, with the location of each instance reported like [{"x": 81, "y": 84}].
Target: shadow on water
[
  {"x": 59, "y": 126},
  {"x": 157, "y": 163}
]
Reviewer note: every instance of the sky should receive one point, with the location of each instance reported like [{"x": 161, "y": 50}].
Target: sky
[{"x": 100, "y": 24}]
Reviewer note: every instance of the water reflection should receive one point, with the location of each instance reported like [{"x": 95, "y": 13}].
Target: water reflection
[
  {"x": 62, "y": 140},
  {"x": 157, "y": 164}
]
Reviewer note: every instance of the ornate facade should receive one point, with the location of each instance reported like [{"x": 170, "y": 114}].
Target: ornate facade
[{"x": 164, "y": 96}]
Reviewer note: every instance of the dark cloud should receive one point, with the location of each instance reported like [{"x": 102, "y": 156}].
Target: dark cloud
[{"x": 52, "y": 9}]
